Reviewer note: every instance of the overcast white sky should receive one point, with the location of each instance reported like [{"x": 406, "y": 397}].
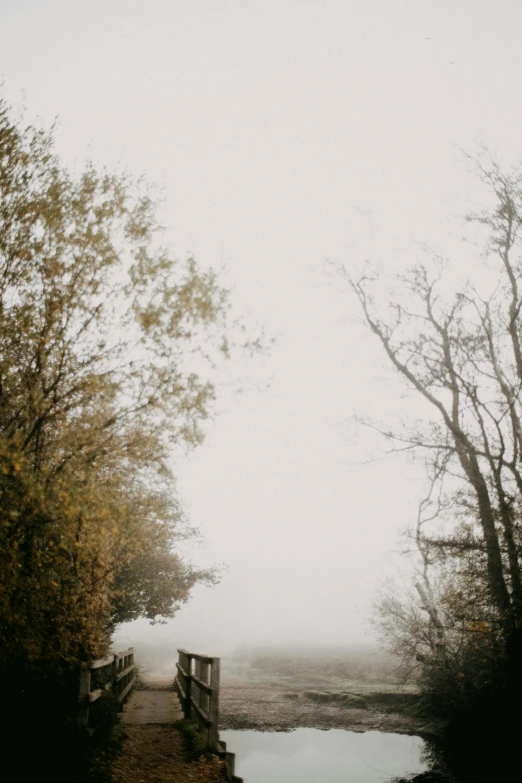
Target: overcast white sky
[{"x": 284, "y": 133}]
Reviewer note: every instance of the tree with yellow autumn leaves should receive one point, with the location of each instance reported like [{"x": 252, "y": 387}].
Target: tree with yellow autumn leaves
[{"x": 106, "y": 347}]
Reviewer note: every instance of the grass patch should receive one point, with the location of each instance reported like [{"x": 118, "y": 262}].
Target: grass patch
[
  {"x": 140, "y": 678},
  {"x": 195, "y": 740}
]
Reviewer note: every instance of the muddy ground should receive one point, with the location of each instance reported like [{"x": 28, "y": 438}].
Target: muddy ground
[
  {"x": 251, "y": 701},
  {"x": 265, "y": 690}
]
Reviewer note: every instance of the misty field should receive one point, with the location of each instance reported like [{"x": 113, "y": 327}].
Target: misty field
[
  {"x": 279, "y": 689},
  {"x": 359, "y": 688},
  {"x": 364, "y": 668}
]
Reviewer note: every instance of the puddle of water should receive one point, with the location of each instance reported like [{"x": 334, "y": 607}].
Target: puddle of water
[{"x": 335, "y": 756}]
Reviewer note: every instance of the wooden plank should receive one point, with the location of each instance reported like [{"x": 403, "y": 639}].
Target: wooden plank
[
  {"x": 184, "y": 659},
  {"x": 203, "y": 658},
  {"x": 107, "y": 661},
  {"x": 196, "y": 657},
  {"x": 123, "y": 653},
  {"x": 230, "y": 765},
  {"x": 202, "y": 714},
  {"x": 110, "y": 659},
  {"x": 182, "y": 671},
  {"x": 179, "y": 687},
  {"x": 126, "y": 690},
  {"x": 229, "y": 760},
  {"x": 202, "y": 686},
  {"x": 183, "y": 681},
  {"x": 85, "y": 689},
  {"x": 120, "y": 675},
  {"x": 203, "y": 691},
  {"x": 95, "y": 695},
  {"x": 213, "y": 708}
]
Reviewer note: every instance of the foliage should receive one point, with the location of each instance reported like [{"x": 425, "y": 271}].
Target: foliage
[
  {"x": 195, "y": 740},
  {"x": 107, "y": 346},
  {"x": 457, "y": 344}
]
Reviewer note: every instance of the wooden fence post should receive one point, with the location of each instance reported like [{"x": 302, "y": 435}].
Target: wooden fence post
[
  {"x": 213, "y": 707},
  {"x": 188, "y": 689},
  {"x": 204, "y": 677},
  {"x": 114, "y": 681},
  {"x": 85, "y": 689},
  {"x": 197, "y": 693}
]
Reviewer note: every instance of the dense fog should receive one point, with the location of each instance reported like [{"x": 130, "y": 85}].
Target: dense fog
[{"x": 283, "y": 134}]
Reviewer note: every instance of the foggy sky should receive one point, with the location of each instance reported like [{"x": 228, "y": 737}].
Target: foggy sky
[{"x": 285, "y": 133}]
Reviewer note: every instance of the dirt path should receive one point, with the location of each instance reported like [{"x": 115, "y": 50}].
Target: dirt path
[
  {"x": 156, "y": 754},
  {"x": 152, "y": 707},
  {"x": 153, "y": 750}
]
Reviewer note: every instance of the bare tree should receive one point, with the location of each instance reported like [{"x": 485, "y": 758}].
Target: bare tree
[
  {"x": 411, "y": 620},
  {"x": 462, "y": 352}
]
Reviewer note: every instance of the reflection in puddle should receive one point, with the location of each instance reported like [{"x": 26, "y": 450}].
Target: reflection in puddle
[{"x": 335, "y": 756}]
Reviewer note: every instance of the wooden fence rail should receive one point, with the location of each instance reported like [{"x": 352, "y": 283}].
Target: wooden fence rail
[
  {"x": 197, "y": 685},
  {"x": 116, "y": 673}
]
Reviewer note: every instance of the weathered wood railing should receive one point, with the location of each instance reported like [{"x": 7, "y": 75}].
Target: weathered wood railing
[
  {"x": 197, "y": 685},
  {"x": 116, "y": 673}
]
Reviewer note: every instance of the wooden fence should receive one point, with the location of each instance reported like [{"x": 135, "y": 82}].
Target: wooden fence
[
  {"x": 197, "y": 685},
  {"x": 116, "y": 673}
]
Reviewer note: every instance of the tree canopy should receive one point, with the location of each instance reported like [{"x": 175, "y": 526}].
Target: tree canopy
[{"x": 107, "y": 345}]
